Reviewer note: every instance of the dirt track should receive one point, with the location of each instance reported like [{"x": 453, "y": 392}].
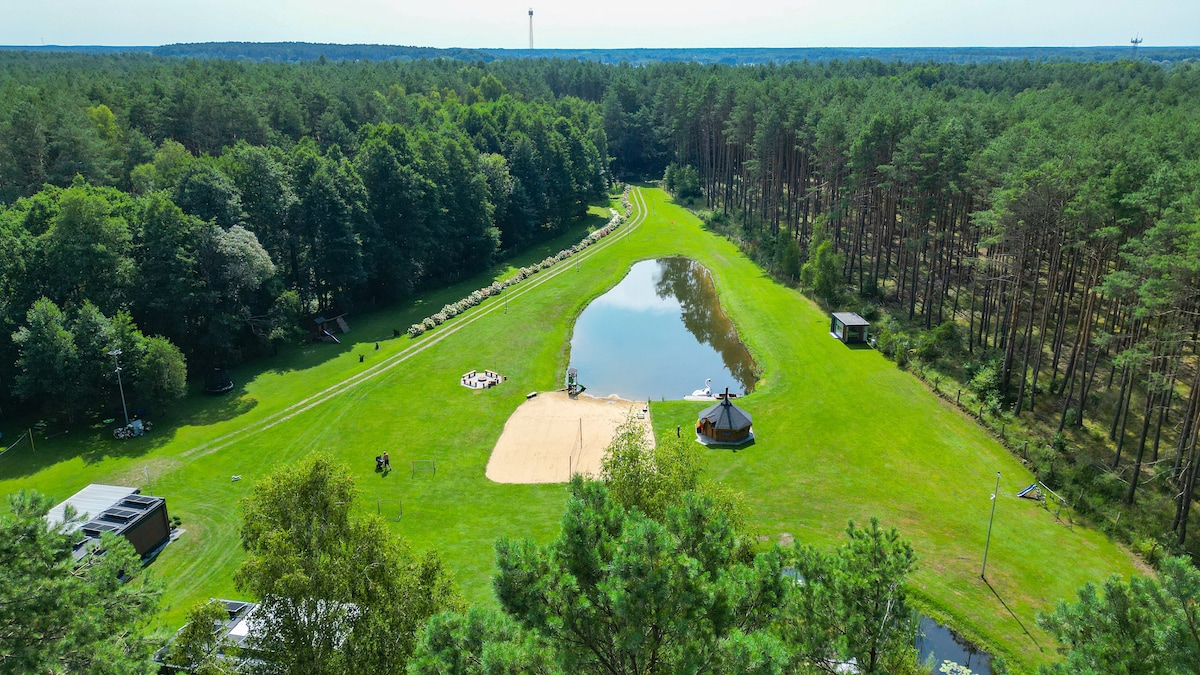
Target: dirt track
[{"x": 541, "y": 441}]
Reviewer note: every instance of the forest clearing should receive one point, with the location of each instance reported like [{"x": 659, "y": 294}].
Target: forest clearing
[{"x": 842, "y": 434}]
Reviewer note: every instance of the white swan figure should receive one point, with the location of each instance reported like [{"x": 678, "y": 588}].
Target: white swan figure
[{"x": 706, "y": 391}]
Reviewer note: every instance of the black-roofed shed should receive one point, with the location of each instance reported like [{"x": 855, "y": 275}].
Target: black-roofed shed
[{"x": 849, "y": 327}]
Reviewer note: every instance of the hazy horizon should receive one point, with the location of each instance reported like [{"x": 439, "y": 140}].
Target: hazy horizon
[{"x": 624, "y": 24}]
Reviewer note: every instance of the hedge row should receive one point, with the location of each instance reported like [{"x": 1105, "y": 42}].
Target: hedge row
[{"x": 454, "y": 309}]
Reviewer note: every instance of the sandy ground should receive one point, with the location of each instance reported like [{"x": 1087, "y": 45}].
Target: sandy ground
[{"x": 540, "y": 443}]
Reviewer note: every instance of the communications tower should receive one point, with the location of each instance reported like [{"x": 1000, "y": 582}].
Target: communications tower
[
  {"x": 1134, "y": 41},
  {"x": 531, "y": 32}
]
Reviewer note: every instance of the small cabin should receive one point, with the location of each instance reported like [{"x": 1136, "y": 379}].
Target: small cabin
[
  {"x": 723, "y": 424},
  {"x": 123, "y": 511},
  {"x": 849, "y": 327}
]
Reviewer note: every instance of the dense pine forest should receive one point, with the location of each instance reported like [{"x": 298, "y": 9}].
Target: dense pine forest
[{"x": 1030, "y": 229}]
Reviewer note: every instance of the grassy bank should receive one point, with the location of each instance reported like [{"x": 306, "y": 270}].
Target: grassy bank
[{"x": 842, "y": 434}]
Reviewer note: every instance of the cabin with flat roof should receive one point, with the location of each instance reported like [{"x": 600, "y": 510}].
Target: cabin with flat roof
[
  {"x": 141, "y": 519},
  {"x": 849, "y": 327}
]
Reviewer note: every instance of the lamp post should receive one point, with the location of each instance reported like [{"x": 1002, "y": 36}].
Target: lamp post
[
  {"x": 115, "y": 353},
  {"x": 988, "y": 542}
]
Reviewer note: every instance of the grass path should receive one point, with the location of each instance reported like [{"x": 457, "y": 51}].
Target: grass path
[{"x": 843, "y": 434}]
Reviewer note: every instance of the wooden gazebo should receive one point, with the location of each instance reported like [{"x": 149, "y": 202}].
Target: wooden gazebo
[{"x": 723, "y": 424}]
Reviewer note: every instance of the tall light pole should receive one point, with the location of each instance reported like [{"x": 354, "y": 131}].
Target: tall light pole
[
  {"x": 115, "y": 353},
  {"x": 988, "y": 542}
]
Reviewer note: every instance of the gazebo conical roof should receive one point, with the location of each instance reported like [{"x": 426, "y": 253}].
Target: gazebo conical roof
[{"x": 726, "y": 415}]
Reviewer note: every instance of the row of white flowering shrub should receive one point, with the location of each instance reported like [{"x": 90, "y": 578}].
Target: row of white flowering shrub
[{"x": 454, "y": 309}]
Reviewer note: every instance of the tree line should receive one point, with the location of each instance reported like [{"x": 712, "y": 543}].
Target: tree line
[
  {"x": 1036, "y": 223},
  {"x": 215, "y": 207}
]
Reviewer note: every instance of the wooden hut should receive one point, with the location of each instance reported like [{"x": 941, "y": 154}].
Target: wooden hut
[
  {"x": 849, "y": 327},
  {"x": 723, "y": 424}
]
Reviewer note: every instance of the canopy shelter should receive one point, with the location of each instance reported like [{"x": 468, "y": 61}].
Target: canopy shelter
[
  {"x": 723, "y": 424},
  {"x": 849, "y": 327}
]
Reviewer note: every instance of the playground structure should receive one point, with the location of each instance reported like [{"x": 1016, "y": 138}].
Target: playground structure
[
  {"x": 484, "y": 380},
  {"x": 573, "y": 387},
  {"x": 322, "y": 328}
]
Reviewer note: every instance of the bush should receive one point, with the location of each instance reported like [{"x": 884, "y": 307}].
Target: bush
[
  {"x": 927, "y": 348},
  {"x": 868, "y": 310},
  {"x": 986, "y": 385},
  {"x": 948, "y": 337}
]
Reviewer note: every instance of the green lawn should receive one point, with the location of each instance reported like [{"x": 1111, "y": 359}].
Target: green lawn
[{"x": 842, "y": 434}]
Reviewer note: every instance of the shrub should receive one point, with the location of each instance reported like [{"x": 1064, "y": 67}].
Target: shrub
[
  {"x": 948, "y": 337},
  {"x": 986, "y": 382}
]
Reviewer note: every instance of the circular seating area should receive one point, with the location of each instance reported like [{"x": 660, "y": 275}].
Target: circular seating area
[{"x": 478, "y": 380}]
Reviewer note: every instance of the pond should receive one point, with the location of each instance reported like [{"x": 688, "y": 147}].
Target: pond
[
  {"x": 937, "y": 640},
  {"x": 660, "y": 333}
]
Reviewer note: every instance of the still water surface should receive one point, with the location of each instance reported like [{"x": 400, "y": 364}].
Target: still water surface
[
  {"x": 938, "y": 641},
  {"x": 660, "y": 333}
]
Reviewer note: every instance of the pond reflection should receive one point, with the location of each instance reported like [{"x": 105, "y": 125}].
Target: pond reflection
[{"x": 660, "y": 333}]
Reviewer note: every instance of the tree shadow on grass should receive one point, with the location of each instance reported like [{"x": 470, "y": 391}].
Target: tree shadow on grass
[{"x": 93, "y": 441}]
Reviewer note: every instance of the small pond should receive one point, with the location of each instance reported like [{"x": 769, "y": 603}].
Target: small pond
[
  {"x": 937, "y": 640},
  {"x": 660, "y": 333}
]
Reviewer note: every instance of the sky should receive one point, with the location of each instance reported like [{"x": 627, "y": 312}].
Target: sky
[{"x": 571, "y": 24}]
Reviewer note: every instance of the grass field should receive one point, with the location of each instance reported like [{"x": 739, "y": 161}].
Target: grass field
[{"x": 842, "y": 434}]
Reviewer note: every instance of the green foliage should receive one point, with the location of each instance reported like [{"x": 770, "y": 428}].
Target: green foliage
[
  {"x": 162, "y": 375},
  {"x": 338, "y": 592},
  {"x": 60, "y": 616},
  {"x": 48, "y": 364},
  {"x": 822, "y": 273},
  {"x": 364, "y": 191},
  {"x": 480, "y": 642},
  {"x": 652, "y": 480},
  {"x": 199, "y": 646},
  {"x": 852, "y": 603},
  {"x": 617, "y": 592},
  {"x": 787, "y": 256},
  {"x": 986, "y": 384},
  {"x": 682, "y": 181},
  {"x": 1144, "y": 626}
]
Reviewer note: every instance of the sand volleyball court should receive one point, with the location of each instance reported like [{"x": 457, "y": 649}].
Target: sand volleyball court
[{"x": 541, "y": 442}]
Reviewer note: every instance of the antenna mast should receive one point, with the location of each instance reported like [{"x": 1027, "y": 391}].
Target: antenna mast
[
  {"x": 531, "y": 32},
  {"x": 1135, "y": 41}
]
